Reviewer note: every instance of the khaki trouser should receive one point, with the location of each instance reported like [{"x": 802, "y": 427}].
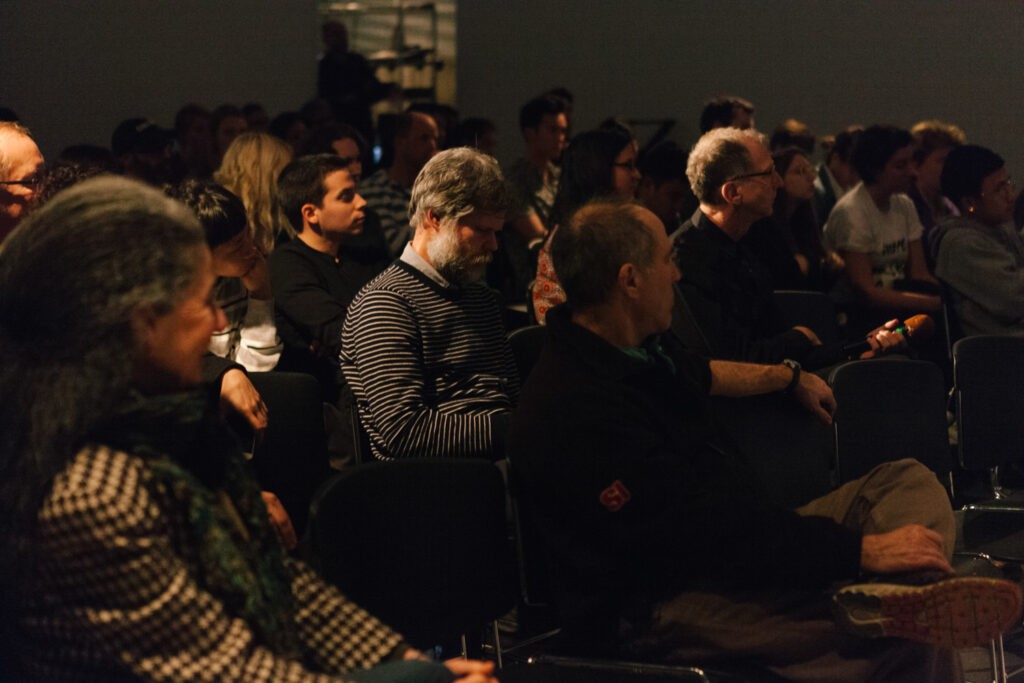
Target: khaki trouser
[{"x": 793, "y": 632}]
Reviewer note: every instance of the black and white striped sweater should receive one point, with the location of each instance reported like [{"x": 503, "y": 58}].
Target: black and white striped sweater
[{"x": 430, "y": 367}]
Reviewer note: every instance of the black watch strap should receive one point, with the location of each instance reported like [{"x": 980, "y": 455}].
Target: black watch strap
[{"x": 795, "y": 367}]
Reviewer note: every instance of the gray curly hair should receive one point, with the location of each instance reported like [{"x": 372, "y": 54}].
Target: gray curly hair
[{"x": 455, "y": 183}]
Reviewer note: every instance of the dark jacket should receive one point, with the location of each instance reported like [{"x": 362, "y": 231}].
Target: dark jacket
[{"x": 634, "y": 493}]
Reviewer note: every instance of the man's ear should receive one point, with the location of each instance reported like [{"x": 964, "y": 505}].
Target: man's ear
[
  {"x": 310, "y": 214},
  {"x": 629, "y": 280},
  {"x": 432, "y": 221},
  {"x": 730, "y": 192}
]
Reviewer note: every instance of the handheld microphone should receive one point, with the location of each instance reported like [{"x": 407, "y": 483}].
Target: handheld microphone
[{"x": 916, "y": 329}]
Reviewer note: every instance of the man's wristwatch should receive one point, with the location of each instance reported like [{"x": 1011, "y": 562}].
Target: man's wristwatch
[{"x": 795, "y": 367}]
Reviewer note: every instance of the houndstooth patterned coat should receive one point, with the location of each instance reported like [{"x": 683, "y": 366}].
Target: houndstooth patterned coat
[{"x": 115, "y": 595}]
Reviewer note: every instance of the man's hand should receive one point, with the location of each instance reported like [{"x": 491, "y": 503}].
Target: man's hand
[
  {"x": 909, "y": 548},
  {"x": 884, "y": 340},
  {"x": 814, "y": 394},
  {"x": 257, "y": 279},
  {"x": 809, "y": 333},
  {"x": 280, "y": 521},
  {"x": 239, "y": 395},
  {"x": 472, "y": 671}
]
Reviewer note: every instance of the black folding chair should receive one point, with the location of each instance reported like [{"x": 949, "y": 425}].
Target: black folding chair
[
  {"x": 810, "y": 309},
  {"x": 291, "y": 459},
  {"x": 421, "y": 544},
  {"x": 889, "y": 409},
  {"x": 526, "y": 343}
]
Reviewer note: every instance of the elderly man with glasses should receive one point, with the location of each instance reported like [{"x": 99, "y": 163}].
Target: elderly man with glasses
[
  {"x": 727, "y": 289},
  {"x": 21, "y": 167}
]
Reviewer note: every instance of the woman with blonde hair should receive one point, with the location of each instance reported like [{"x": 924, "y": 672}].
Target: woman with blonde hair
[{"x": 249, "y": 170}]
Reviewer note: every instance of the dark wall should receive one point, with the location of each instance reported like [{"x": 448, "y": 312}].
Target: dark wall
[
  {"x": 829, "y": 63},
  {"x": 73, "y": 70}
]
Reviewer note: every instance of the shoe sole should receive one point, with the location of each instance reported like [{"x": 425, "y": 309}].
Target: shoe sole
[{"x": 959, "y": 612}]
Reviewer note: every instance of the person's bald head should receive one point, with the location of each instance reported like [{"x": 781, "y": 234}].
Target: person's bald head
[{"x": 21, "y": 167}]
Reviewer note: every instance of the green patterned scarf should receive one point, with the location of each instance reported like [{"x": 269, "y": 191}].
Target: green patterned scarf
[{"x": 196, "y": 458}]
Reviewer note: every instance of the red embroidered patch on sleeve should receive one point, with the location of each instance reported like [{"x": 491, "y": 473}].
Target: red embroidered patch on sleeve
[{"x": 615, "y": 496}]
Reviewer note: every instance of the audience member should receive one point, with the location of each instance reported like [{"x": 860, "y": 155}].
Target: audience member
[
  {"x": 566, "y": 96},
  {"x": 341, "y": 139},
  {"x": 387, "y": 191},
  {"x": 876, "y": 231},
  {"x": 792, "y": 133},
  {"x": 89, "y": 155},
  {"x": 727, "y": 289},
  {"x": 226, "y": 123},
  {"x": 142, "y": 151},
  {"x": 291, "y": 128},
  {"x": 788, "y": 242},
  {"x": 980, "y": 252},
  {"x": 62, "y": 174},
  {"x": 249, "y": 170},
  {"x": 598, "y": 163},
  {"x": 242, "y": 288},
  {"x": 312, "y": 284},
  {"x": 663, "y": 187},
  {"x": 446, "y": 117},
  {"x": 317, "y": 113},
  {"x": 933, "y": 141},
  {"x": 479, "y": 133},
  {"x": 347, "y": 81},
  {"x": 423, "y": 346},
  {"x": 727, "y": 112},
  {"x": 136, "y": 544},
  {"x": 836, "y": 175},
  {"x": 256, "y": 118},
  {"x": 533, "y": 178},
  {"x": 21, "y": 172},
  {"x": 532, "y": 182},
  {"x": 368, "y": 248},
  {"x": 195, "y": 141},
  {"x": 662, "y": 545}
]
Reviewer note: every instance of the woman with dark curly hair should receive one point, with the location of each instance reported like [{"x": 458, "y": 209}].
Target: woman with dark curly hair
[{"x": 598, "y": 163}]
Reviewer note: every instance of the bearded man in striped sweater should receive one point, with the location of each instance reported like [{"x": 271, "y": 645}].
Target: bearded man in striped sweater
[{"x": 423, "y": 346}]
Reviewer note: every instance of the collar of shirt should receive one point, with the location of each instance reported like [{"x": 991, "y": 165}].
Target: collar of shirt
[{"x": 410, "y": 256}]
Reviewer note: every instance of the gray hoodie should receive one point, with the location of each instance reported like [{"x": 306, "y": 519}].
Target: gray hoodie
[{"x": 984, "y": 268}]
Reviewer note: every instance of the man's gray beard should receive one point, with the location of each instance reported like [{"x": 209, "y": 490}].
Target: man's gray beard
[{"x": 446, "y": 254}]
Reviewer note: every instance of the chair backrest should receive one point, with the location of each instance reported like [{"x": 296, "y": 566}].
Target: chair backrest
[
  {"x": 421, "y": 544},
  {"x": 360, "y": 439},
  {"x": 534, "y": 587},
  {"x": 526, "y": 343},
  {"x": 950, "y": 322},
  {"x": 786, "y": 447},
  {"x": 810, "y": 309},
  {"x": 988, "y": 375},
  {"x": 291, "y": 460},
  {"x": 889, "y": 409}
]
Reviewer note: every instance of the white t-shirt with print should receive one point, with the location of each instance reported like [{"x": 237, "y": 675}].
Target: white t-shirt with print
[{"x": 857, "y": 224}]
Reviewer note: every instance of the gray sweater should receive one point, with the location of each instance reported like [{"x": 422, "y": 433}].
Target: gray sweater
[{"x": 984, "y": 268}]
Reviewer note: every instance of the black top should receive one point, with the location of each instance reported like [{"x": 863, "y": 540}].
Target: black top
[
  {"x": 729, "y": 293},
  {"x": 636, "y": 495},
  {"x": 312, "y": 291}
]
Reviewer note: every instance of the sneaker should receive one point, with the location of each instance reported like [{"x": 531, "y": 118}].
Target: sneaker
[{"x": 956, "y": 612}]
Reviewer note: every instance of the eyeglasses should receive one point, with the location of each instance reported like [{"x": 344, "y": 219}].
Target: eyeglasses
[
  {"x": 32, "y": 181},
  {"x": 762, "y": 174}
]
